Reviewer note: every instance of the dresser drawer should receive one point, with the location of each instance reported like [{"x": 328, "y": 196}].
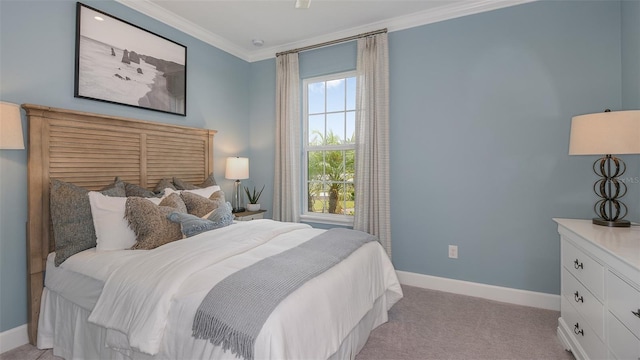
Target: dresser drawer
[
  {"x": 586, "y": 337},
  {"x": 622, "y": 343},
  {"x": 588, "y": 271},
  {"x": 623, "y": 300},
  {"x": 590, "y": 308}
]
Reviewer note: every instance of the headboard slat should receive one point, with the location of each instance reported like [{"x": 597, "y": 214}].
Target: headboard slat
[{"x": 90, "y": 150}]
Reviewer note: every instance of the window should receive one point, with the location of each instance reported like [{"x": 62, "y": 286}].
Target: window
[{"x": 329, "y": 148}]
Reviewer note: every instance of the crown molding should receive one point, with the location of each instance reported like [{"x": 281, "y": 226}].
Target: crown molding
[
  {"x": 152, "y": 10},
  {"x": 447, "y": 12}
]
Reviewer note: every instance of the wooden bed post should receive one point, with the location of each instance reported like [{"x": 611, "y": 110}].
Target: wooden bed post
[{"x": 37, "y": 232}]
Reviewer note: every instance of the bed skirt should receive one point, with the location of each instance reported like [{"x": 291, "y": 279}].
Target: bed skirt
[{"x": 63, "y": 326}]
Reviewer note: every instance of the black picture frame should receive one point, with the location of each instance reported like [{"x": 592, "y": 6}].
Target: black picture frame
[{"x": 121, "y": 63}]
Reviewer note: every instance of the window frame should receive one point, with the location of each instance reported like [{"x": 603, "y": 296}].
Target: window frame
[{"x": 323, "y": 218}]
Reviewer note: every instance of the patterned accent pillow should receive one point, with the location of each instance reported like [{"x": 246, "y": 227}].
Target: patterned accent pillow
[
  {"x": 191, "y": 225},
  {"x": 201, "y": 206},
  {"x": 149, "y": 221},
  {"x": 73, "y": 229},
  {"x": 166, "y": 183}
]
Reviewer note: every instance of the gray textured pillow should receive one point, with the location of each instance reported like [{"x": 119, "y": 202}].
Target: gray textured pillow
[
  {"x": 116, "y": 187},
  {"x": 70, "y": 208},
  {"x": 163, "y": 184},
  {"x": 139, "y": 191},
  {"x": 149, "y": 221},
  {"x": 199, "y": 205},
  {"x": 191, "y": 225},
  {"x": 209, "y": 181},
  {"x": 134, "y": 190},
  {"x": 185, "y": 185}
]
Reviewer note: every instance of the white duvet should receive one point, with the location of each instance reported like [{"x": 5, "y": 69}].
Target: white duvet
[{"x": 149, "y": 300}]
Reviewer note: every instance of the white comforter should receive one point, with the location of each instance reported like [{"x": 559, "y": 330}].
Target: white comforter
[{"x": 148, "y": 303}]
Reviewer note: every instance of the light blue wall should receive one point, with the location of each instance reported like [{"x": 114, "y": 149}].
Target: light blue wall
[
  {"x": 631, "y": 86},
  {"x": 480, "y": 112},
  {"x": 631, "y": 54},
  {"x": 37, "y": 52}
]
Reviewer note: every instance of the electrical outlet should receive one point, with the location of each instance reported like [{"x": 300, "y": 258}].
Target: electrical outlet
[{"x": 453, "y": 251}]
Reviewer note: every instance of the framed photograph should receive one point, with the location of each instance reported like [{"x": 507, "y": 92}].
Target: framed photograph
[{"x": 121, "y": 63}]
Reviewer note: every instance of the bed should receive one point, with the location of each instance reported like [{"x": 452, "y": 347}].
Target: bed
[{"x": 141, "y": 304}]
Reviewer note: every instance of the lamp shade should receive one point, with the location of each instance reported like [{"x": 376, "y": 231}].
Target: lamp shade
[
  {"x": 615, "y": 132},
  {"x": 237, "y": 168},
  {"x": 10, "y": 127}
]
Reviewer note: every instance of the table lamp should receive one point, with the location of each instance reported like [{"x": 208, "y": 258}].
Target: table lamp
[
  {"x": 237, "y": 169},
  {"x": 607, "y": 133}
]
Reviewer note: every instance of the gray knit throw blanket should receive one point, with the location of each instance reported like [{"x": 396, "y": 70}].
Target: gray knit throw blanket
[{"x": 234, "y": 311}]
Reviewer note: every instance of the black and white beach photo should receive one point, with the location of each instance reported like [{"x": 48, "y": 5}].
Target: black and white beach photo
[{"x": 121, "y": 63}]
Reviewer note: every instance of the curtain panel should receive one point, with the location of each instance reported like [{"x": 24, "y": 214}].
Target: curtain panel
[
  {"x": 372, "y": 207},
  {"x": 287, "y": 184}
]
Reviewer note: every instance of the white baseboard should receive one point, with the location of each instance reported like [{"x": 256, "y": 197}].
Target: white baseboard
[
  {"x": 13, "y": 338},
  {"x": 491, "y": 292}
]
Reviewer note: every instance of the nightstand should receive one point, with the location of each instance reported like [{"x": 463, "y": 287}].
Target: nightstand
[{"x": 249, "y": 215}]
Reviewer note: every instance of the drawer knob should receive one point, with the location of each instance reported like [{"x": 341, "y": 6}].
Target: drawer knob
[
  {"x": 636, "y": 313},
  {"x": 578, "y": 265},
  {"x": 577, "y": 330},
  {"x": 578, "y": 298}
]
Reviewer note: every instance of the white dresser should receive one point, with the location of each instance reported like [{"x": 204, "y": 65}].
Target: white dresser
[{"x": 600, "y": 302}]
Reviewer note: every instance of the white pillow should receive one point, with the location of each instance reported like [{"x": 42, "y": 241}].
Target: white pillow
[
  {"x": 204, "y": 192},
  {"x": 112, "y": 230}
]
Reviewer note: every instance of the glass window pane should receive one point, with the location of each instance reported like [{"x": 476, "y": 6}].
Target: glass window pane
[
  {"x": 315, "y": 200},
  {"x": 315, "y": 164},
  {"x": 334, "y": 196},
  {"x": 351, "y": 93},
  {"x": 316, "y": 129},
  {"x": 335, "y": 129},
  {"x": 334, "y": 165},
  {"x": 349, "y": 169},
  {"x": 336, "y": 95},
  {"x": 349, "y": 199},
  {"x": 318, "y": 198},
  {"x": 315, "y": 97},
  {"x": 351, "y": 127}
]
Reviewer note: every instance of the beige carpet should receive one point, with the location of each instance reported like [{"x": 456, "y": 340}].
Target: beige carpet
[{"x": 428, "y": 324}]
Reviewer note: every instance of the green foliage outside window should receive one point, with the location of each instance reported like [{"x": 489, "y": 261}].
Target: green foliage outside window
[{"x": 330, "y": 176}]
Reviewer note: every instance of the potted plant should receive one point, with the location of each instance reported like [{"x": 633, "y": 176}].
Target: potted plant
[{"x": 253, "y": 197}]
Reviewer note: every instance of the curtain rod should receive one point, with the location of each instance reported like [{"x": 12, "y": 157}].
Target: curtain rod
[{"x": 333, "y": 42}]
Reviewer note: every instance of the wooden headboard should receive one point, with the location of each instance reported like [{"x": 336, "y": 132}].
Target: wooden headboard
[{"x": 90, "y": 150}]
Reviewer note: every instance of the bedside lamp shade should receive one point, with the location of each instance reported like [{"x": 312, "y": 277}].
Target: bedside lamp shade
[
  {"x": 237, "y": 168},
  {"x": 614, "y": 132},
  {"x": 11, "y": 137},
  {"x": 607, "y": 134}
]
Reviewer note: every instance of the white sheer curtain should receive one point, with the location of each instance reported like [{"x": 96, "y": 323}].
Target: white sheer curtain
[
  {"x": 287, "y": 187},
  {"x": 372, "y": 208}
]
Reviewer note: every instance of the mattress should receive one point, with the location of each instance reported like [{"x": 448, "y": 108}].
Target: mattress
[{"x": 80, "y": 279}]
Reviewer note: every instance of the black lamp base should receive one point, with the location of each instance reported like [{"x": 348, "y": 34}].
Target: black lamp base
[
  {"x": 239, "y": 210},
  {"x": 615, "y": 223}
]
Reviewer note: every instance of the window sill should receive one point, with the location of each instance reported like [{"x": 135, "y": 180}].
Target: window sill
[{"x": 342, "y": 220}]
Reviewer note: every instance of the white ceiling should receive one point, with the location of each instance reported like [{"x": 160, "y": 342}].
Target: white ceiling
[{"x": 231, "y": 25}]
